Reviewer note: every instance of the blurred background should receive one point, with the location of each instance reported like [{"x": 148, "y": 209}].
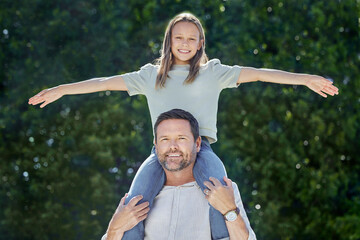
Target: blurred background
[{"x": 294, "y": 154}]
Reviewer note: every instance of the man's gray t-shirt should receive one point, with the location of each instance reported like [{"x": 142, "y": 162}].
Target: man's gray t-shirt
[{"x": 200, "y": 98}]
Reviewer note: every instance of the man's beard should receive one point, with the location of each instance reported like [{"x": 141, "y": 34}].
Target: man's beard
[{"x": 183, "y": 163}]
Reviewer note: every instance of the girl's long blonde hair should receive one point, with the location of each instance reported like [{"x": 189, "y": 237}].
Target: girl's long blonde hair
[{"x": 166, "y": 59}]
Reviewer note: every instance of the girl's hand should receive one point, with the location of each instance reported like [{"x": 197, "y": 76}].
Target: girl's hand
[
  {"x": 127, "y": 216},
  {"x": 320, "y": 85},
  {"x": 46, "y": 96},
  {"x": 219, "y": 196}
]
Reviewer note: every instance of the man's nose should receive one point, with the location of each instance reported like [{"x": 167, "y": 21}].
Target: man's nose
[{"x": 173, "y": 145}]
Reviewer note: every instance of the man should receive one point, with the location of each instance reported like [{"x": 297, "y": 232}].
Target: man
[{"x": 181, "y": 210}]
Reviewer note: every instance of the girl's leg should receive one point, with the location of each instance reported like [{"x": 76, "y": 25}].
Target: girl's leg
[
  {"x": 209, "y": 165},
  {"x": 148, "y": 181}
]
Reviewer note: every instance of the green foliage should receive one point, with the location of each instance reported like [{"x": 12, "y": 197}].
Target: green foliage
[{"x": 293, "y": 154}]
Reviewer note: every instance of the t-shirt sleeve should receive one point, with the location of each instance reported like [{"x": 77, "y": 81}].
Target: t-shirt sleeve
[
  {"x": 240, "y": 205},
  {"x": 136, "y": 81},
  {"x": 227, "y": 76}
]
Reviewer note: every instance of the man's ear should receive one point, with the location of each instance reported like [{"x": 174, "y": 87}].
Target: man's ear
[{"x": 198, "y": 144}]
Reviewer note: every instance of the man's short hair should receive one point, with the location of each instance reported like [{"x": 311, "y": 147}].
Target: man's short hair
[{"x": 178, "y": 114}]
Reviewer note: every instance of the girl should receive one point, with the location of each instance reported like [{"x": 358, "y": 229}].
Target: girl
[{"x": 183, "y": 78}]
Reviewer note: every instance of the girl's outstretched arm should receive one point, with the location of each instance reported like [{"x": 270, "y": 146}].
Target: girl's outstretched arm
[
  {"x": 46, "y": 96},
  {"x": 318, "y": 84}
]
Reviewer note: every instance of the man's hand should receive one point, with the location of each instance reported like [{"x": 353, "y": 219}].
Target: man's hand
[
  {"x": 219, "y": 196},
  {"x": 127, "y": 216},
  {"x": 222, "y": 199}
]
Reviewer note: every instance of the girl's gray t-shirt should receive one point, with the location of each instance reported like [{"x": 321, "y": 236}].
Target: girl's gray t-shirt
[{"x": 200, "y": 98}]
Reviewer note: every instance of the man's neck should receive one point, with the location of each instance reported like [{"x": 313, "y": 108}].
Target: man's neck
[{"x": 179, "y": 178}]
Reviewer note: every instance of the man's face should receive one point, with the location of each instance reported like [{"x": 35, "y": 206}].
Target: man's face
[{"x": 175, "y": 145}]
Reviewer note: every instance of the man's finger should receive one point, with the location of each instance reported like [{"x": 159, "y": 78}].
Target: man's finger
[
  {"x": 206, "y": 192},
  {"x": 209, "y": 185},
  {"x": 141, "y": 206},
  {"x": 122, "y": 201},
  {"x": 144, "y": 212},
  {"x": 228, "y": 182},
  {"x": 135, "y": 200},
  {"x": 215, "y": 181},
  {"x": 142, "y": 218}
]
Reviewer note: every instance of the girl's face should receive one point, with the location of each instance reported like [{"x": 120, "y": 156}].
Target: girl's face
[{"x": 185, "y": 42}]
